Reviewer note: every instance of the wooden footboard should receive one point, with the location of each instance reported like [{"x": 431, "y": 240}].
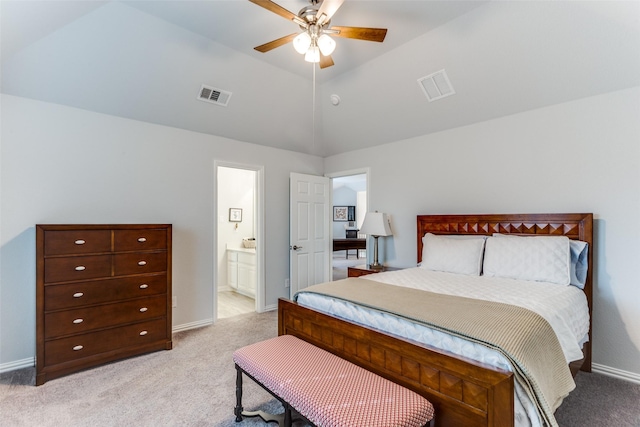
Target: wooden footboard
[{"x": 463, "y": 392}]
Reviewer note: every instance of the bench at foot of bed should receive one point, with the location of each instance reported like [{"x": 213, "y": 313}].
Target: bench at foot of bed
[{"x": 324, "y": 389}]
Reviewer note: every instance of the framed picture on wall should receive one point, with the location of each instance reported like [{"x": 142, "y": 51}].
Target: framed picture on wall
[
  {"x": 344, "y": 213},
  {"x": 235, "y": 215}
]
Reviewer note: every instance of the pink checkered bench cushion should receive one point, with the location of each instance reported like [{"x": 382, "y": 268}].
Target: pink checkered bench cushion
[{"x": 328, "y": 390}]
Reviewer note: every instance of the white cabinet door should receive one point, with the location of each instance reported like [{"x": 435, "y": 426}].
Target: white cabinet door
[
  {"x": 247, "y": 273},
  {"x": 232, "y": 269}
]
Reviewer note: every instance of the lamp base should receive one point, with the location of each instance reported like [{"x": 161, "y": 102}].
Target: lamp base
[{"x": 375, "y": 265}]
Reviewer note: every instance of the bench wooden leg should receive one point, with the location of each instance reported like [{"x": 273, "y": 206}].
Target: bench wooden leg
[
  {"x": 285, "y": 419},
  {"x": 238, "y": 409},
  {"x": 287, "y": 416}
]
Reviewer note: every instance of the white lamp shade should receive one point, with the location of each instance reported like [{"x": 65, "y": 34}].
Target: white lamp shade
[
  {"x": 302, "y": 42},
  {"x": 376, "y": 224},
  {"x": 326, "y": 44},
  {"x": 313, "y": 54}
]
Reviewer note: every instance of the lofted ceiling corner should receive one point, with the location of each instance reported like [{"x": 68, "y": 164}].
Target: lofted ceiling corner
[{"x": 147, "y": 61}]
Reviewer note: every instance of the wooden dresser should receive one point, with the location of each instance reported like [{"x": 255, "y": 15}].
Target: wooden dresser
[{"x": 103, "y": 293}]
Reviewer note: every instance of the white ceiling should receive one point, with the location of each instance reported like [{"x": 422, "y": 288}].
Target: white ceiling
[{"x": 146, "y": 60}]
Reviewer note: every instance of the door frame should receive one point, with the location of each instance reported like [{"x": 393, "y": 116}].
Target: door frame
[
  {"x": 360, "y": 171},
  {"x": 259, "y": 215}
]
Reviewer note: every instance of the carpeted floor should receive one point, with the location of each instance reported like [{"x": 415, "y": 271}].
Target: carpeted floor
[
  {"x": 191, "y": 385},
  {"x": 194, "y": 385},
  {"x": 340, "y": 263}
]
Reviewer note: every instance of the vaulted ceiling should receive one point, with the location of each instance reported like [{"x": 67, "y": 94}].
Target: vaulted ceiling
[{"x": 146, "y": 61}]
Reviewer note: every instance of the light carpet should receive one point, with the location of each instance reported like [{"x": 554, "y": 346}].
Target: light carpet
[{"x": 194, "y": 385}]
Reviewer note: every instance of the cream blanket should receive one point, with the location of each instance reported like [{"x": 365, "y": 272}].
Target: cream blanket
[{"x": 522, "y": 336}]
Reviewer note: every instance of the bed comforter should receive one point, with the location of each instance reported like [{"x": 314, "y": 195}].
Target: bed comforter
[{"x": 560, "y": 315}]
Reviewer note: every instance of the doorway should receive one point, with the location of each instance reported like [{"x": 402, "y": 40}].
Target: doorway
[
  {"x": 349, "y": 189},
  {"x": 238, "y": 284}
]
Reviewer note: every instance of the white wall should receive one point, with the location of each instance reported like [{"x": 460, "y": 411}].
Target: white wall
[
  {"x": 60, "y": 164},
  {"x": 582, "y": 156},
  {"x": 65, "y": 165},
  {"x": 342, "y": 196}
]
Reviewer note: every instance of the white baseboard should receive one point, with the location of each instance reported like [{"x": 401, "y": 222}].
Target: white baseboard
[
  {"x": 270, "y": 307},
  {"x": 192, "y": 325},
  {"x": 595, "y": 367},
  {"x": 29, "y": 362},
  {"x": 616, "y": 373}
]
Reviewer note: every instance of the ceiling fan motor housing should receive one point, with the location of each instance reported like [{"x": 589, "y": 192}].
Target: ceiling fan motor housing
[{"x": 309, "y": 15}]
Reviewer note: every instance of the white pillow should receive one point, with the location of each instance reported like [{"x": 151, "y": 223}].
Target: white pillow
[
  {"x": 579, "y": 254},
  {"x": 452, "y": 255},
  {"x": 537, "y": 258}
]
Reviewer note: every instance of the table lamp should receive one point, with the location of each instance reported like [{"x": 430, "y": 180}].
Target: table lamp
[{"x": 376, "y": 224}]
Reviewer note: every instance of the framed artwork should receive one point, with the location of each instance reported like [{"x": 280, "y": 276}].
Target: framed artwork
[
  {"x": 344, "y": 213},
  {"x": 235, "y": 215}
]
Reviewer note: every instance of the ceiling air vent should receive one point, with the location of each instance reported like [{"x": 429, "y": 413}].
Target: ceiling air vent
[
  {"x": 214, "y": 95},
  {"x": 436, "y": 86}
]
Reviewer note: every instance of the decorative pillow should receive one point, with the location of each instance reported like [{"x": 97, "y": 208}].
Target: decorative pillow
[
  {"x": 579, "y": 262},
  {"x": 452, "y": 255},
  {"x": 537, "y": 258}
]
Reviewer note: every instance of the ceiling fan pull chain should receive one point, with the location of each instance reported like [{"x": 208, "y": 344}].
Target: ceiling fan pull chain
[{"x": 313, "y": 109}]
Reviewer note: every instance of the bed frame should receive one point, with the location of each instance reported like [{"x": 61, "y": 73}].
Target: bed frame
[{"x": 463, "y": 392}]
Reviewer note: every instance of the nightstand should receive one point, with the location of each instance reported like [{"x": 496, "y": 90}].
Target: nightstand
[{"x": 362, "y": 270}]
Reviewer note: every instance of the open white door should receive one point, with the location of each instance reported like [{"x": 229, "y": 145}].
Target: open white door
[{"x": 309, "y": 232}]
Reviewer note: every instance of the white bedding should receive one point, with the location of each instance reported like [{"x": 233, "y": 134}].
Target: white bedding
[{"x": 564, "y": 307}]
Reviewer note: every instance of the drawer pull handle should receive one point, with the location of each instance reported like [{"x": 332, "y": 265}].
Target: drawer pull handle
[
  {"x": 80, "y": 242},
  {"x": 80, "y": 268},
  {"x": 78, "y": 347},
  {"x": 144, "y": 286},
  {"x": 76, "y": 321},
  {"x": 143, "y": 333},
  {"x": 142, "y": 239},
  {"x": 143, "y": 309},
  {"x": 78, "y": 294},
  {"x": 142, "y": 262}
]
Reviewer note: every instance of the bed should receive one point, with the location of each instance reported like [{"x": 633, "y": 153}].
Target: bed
[{"x": 464, "y": 391}]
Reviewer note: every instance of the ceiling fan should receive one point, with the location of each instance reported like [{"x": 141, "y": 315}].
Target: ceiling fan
[{"x": 315, "y": 21}]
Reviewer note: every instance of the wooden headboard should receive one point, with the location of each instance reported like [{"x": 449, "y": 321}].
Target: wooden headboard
[{"x": 577, "y": 226}]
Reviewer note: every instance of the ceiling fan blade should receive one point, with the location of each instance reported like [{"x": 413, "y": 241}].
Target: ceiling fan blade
[
  {"x": 369, "y": 34},
  {"x": 279, "y": 10},
  {"x": 275, "y": 43},
  {"x": 327, "y": 9},
  {"x": 325, "y": 61}
]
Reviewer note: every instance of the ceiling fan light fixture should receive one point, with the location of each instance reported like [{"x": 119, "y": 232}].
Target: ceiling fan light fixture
[
  {"x": 302, "y": 42},
  {"x": 312, "y": 55},
  {"x": 326, "y": 44},
  {"x": 315, "y": 22}
]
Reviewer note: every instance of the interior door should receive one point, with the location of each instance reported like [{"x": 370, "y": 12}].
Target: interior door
[{"x": 309, "y": 233}]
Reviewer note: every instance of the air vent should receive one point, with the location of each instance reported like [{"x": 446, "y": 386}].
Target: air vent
[
  {"x": 214, "y": 95},
  {"x": 436, "y": 86}
]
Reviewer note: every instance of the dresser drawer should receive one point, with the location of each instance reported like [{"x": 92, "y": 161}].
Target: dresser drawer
[
  {"x": 140, "y": 263},
  {"x": 92, "y": 343},
  {"x": 71, "y": 295},
  {"x": 73, "y": 242},
  {"x": 80, "y": 320},
  {"x": 139, "y": 240},
  {"x": 65, "y": 269}
]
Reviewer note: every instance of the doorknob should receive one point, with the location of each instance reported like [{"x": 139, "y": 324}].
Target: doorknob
[{"x": 295, "y": 247}]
